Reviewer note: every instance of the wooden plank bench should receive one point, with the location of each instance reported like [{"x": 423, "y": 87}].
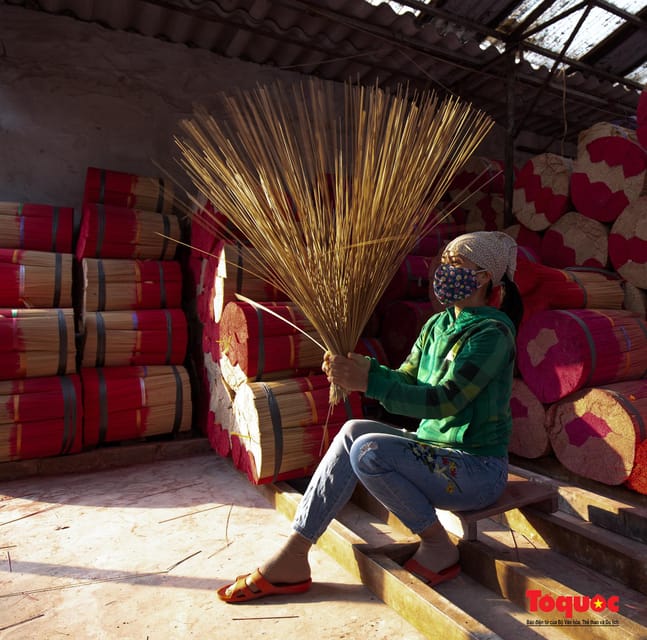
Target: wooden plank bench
[{"x": 519, "y": 492}]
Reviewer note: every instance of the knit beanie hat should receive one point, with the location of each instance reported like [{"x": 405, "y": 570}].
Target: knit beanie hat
[{"x": 493, "y": 251}]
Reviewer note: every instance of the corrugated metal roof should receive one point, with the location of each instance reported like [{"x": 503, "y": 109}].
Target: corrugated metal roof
[{"x": 485, "y": 52}]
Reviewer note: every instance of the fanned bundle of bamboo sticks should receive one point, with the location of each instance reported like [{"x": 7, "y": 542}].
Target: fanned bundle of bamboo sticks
[{"x": 332, "y": 191}]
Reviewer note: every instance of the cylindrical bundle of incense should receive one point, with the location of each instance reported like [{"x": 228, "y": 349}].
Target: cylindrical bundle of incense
[
  {"x": 525, "y": 237},
  {"x": 238, "y": 271},
  {"x": 542, "y": 191},
  {"x": 635, "y": 299},
  {"x": 126, "y": 403},
  {"x": 116, "y": 285},
  {"x": 479, "y": 174},
  {"x": 628, "y": 243},
  {"x": 401, "y": 325},
  {"x": 485, "y": 213},
  {"x": 282, "y": 423},
  {"x": 221, "y": 398},
  {"x": 35, "y": 279},
  {"x": 126, "y": 338},
  {"x": 121, "y": 189},
  {"x": 37, "y": 227},
  {"x": 40, "y": 417},
  {"x": 264, "y": 347},
  {"x": 575, "y": 240},
  {"x": 595, "y": 432},
  {"x": 433, "y": 243},
  {"x": 609, "y": 173},
  {"x": 562, "y": 351},
  {"x": 529, "y": 437},
  {"x": 116, "y": 232},
  {"x": 411, "y": 281},
  {"x": 36, "y": 342}
]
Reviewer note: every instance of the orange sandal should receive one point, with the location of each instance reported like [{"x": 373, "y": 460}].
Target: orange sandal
[
  {"x": 431, "y": 577},
  {"x": 253, "y": 586}
]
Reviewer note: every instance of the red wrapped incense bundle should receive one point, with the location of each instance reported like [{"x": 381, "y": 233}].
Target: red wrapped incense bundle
[
  {"x": 284, "y": 423},
  {"x": 262, "y": 346},
  {"x": 541, "y": 191},
  {"x": 372, "y": 347},
  {"x": 35, "y": 279},
  {"x": 36, "y": 342},
  {"x": 529, "y": 438},
  {"x": 609, "y": 173},
  {"x": 237, "y": 272},
  {"x": 596, "y": 431},
  {"x": 641, "y": 119},
  {"x": 125, "y": 403},
  {"x": 37, "y": 227},
  {"x": 561, "y": 351},
  {"x": 575, "y": 240},
  {"x": 116, "y": 232},
  {"x": 485, "y": 213},
  {"x": 40, "y": 417},
  {"x": 628, "y": 243},
  {"x": 120, "y": 189},
  {"x": 525, "y": 237},
  {"x": 635, "y": 299},
  {"x": 221, "y": 398},
  {"x": 434, "y": 243},
  {"x": 479, "y": 174},
  {"x": 401, "y": 325},
  {"x": 126, "y": 338},
  {"x": 117, "y": 285}
]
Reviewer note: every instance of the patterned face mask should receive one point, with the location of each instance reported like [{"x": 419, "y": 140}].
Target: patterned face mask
[{"x": 452, "y": 284}]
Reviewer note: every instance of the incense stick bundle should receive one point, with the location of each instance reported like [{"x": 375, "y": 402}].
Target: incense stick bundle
[
  {"x": 485, "y": 213},
  {"x": 37, "y": 227},
  {"x": 221, "y": 398},
  {"x": 635, "y": 299},
  {"x": 596, "y": 431},
  {"x": 117, "y": 285},
  {"x": 410, "y": 282},
  {"x": 609, "y": 173},
  {"x": 479, "y": 175},
  {"x": 628, "y": 243},
  {"x": 542, "y": 191},
  {"x": 525, "y": 237},
  {"x": 560, "y": 351},
  {"x": 116, "y": 232},
  {"x": 125, "y": 338},
  {"x": 237, "y": 272},
  {"x": 121, "y": 189},
  {"x": 401, "y": 325},
  {"x": 575, "y": 240},
  {"x": 433, "y": 243},
  {"x": 261, "y": 345},
  {"x": 40, "y": 417},
  {"x": 36, "y": 342},
  {"x": 125, "y": 403},
  {"x": 35, "y": 279},
  {"x": 324, "y": 181},
  {"x": 529, "y": 437},
  {"x": 284, "y": 423}
]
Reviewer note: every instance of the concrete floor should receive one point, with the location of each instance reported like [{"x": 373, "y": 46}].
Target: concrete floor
[{"x": 138, "y": 552}]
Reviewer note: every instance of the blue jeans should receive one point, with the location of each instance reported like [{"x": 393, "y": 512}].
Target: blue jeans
[{"x": 410, "y": 477}]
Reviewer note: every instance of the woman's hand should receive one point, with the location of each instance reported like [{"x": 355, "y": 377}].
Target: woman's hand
[{"x": 349, "y": 372}]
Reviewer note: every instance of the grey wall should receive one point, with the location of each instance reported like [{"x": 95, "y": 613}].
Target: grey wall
[{"x": 75, "y": 94}]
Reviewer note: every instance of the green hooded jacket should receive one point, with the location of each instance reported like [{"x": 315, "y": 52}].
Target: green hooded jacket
[{"x": 457, "y": 380}]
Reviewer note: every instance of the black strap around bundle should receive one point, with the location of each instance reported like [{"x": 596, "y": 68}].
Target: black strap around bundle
[{"x": 277, "y": 429}]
